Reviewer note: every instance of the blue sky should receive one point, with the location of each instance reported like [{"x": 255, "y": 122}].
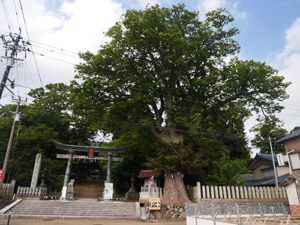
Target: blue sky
[{"x": 269, "y": 31}]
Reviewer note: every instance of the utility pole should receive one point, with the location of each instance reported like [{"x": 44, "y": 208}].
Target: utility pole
[
  {"x": 273, "y": 160},
  {"x": 16, "y": 119},
  {"x": 12, "y": 46}
]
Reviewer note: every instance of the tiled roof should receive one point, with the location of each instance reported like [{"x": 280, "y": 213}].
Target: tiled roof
[
  {"x": 269, "y": 182},
  {"x": 295, "y": 133},
  {"x": 267, "y": 157},
  {"x": 148, "y": 173}
]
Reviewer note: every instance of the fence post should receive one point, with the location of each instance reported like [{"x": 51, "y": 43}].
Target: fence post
[
  {"x": 249, "y": 192},
  {"x": 212, "y": 192},
  {"x": 203, "y": 191},
  {"x": 237, "y": 192},
  {"x": 216, "y": 192},
  {"x": 225, "y": 192},
  {"x": 220, "y": 191},
  {"x": 207, "y": 192},
  {"x": 233, "y": 192},
  {"x": 253, "y": 192},
  {"x": 242, "y": 192},
  {"x": 246, "y": 192},
  {"x": 198, "y": 191},
  {"x": 228, "y": 192}
]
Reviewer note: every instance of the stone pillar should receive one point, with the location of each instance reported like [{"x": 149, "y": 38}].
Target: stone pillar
[
  {"x": 67, "y": 175},
  {"x": 36, "y": 170},
  {"x": 109, "y": 161}
]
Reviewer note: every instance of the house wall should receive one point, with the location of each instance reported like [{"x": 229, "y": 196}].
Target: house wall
[
  {"x": 257, "y": 174},
  {"x": 282, "y": 170},
  {"x": 293, "y": 144}
]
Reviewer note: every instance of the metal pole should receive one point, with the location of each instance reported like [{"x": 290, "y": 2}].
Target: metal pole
[
  {"x": 273, "y": 160},
  {"x": 10, "y": 141}
]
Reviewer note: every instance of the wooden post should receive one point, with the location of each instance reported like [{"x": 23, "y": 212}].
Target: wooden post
[
  {"x": 212, "y": 192},
  {"x": 257, "y": 192},
  {"x": 246, "y": 192},
  {"x": 203, "y": 192},
  {"x": 237, "y": 192},
  {"x": 198, "y": 190},
  {"x": 261, "y": 192},
  {"x": 220, "y": 191},
  {"x": 233, "y": 192},
  {"x": 216, "y": 192},
  {"x": 242, "y": 192},
  {"x": 228, "y": 191},
  {"x": 269, "y": 193},
  {"x": 207, "y": 192},
  {"x": 276, "y": 192},
  {"x": 224, "y": 192}
]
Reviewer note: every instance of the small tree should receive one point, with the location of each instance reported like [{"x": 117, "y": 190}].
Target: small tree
[{"x": 168, "y": 70}]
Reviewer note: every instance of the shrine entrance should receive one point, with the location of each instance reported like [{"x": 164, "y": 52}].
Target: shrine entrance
[{"x": 93, "y": 188}]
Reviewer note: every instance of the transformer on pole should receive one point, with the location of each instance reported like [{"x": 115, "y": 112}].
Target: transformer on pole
[{"x": 13, "y": 44}]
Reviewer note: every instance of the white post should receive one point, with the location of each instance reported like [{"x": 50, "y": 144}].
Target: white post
[
  {"x": 198, "y": 191},
  {"x": 212, "y": 192}
]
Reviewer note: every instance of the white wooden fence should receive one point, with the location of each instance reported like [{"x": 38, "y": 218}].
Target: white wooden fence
[
  {"x": 7, "y": 189},
  {"x": 147, "y": 192},
  {"x": 202, "y": 192},
  {"x": 31, "y": 192}
]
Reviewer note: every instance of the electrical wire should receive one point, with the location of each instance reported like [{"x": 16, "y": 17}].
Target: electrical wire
[
  {"x": 6, "y": 15},
  {"x": 27, "y": 33},
  {"x": 17, "y": 13}
]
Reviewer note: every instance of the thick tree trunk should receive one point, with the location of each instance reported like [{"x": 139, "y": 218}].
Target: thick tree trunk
[{"x": 174, "y": 189}]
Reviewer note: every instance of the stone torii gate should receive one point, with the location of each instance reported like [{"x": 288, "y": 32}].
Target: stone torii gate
[{"x": 71, "y": 149}]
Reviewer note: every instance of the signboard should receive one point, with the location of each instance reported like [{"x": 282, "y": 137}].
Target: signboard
[
  {"x": 1, "y": 174},
  {"x": 108, "y": 191},
  {"x": 154, "y": 203},
  {"x": 280, "y": 159}
]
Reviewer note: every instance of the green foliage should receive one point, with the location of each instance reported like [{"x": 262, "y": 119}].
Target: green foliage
[
  {"x": 164, "y": 69},
  {"x": 263, "y": 131}
]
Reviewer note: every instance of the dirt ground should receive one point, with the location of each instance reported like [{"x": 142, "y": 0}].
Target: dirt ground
[{"x": 86, "y": 222}]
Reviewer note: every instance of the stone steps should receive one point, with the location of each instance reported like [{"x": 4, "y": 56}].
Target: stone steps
[{"x": 69, "y": 209}]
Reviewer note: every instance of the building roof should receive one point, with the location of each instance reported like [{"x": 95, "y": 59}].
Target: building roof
[
  {"x": 148, "y": 173},
  {"x": 294, "y": 134},
  {"x": 282, "y": 181},
  {"x": 247, "y": 177},
  {"x": 261, "y": 159}
]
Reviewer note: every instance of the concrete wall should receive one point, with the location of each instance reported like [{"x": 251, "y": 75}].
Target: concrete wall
[{"x": 196, "y": 221}]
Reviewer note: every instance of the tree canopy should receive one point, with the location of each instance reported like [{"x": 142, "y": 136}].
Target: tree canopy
[{"x": 166, "y": 70}]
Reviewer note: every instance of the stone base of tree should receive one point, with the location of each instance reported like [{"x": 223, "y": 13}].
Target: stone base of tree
[{"x": 168, "y": 212}]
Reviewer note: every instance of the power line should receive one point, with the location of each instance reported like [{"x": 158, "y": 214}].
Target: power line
[
  {"x": 6, "y": 14},
  {"x": 27, "y": 33}
]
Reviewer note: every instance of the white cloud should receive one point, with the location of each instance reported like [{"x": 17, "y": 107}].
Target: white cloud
[
  {"x": 288, "y": 62},
  {"x": 77, "y": 25},
  {"x": 144, "y": 3},
  {"x": 206, "y": 6}
]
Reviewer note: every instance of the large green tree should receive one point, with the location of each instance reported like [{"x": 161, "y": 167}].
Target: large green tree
[{"x": 168, "y": 69}]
